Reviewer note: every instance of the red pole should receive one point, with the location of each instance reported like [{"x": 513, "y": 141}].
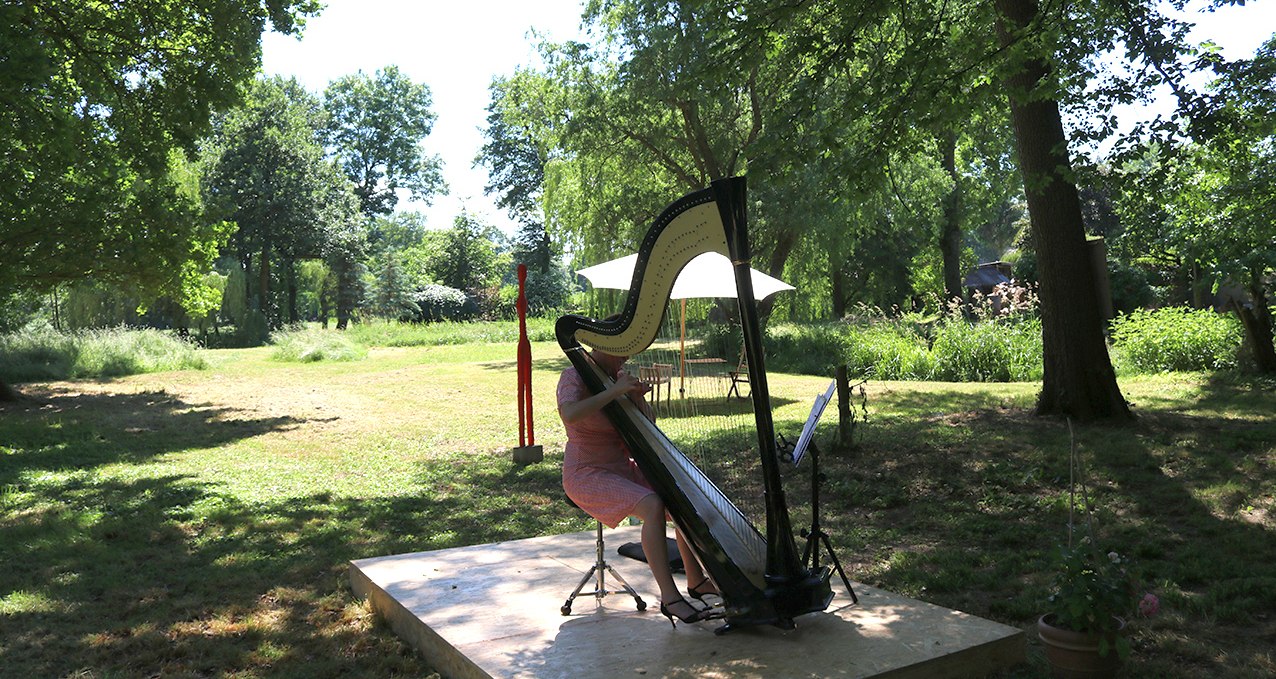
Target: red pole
[{"x": 526, "y": 435}]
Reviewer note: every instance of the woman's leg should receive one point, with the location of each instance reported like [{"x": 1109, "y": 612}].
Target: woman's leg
[
  {"x": 654, "y": 546},
  {"x": 696, "y": 577}
]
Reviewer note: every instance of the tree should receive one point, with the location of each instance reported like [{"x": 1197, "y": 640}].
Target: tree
[
  {"x": 101, "y": 101},
  {"x": 469, "y": 256},
  {"x": 375, "y": 130},
  {"x": 1078, "y": 378},
  {"x": 396, "y": 232},
  {"x": 1206, "y": 207},
  {"x": 392, "y": 294},
  {"x": 268, "y": 175},
  {"x": 1244, "y": 248}
]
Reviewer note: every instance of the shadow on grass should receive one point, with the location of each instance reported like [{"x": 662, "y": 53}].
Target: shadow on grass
[
  {"x": 66, "y": 430},
  {"x": 966, "y": 505},
  {"x": 166, "y": 576}
]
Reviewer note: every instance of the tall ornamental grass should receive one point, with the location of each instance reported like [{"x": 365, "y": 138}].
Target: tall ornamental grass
[
  {"x": 312, "y": 344},
  {"x": 1175, "y": 339},
  {"x": 39, "y": 352},
  {"x": 987, "y": 351},
  {"x": 810, "y": 349},
  {"x": 887, "y": 351}
]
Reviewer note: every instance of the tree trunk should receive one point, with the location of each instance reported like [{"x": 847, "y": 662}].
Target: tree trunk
[
  {"x": 7, "y": 394},
  {"x": 838, "y": 284},
  {"x": 292, "y": 293},
  {"x": 1258, "y": 325},
  {"x": 950, "y": 238},
  {"x": 345, "y": 273},
  {"x": 775, "y": 267},
  {"x": 1078, "y": 378},
  {"x": 263, "y": 285}
]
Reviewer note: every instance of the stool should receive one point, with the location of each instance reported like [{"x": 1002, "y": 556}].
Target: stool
[{"x": 601, "y": 568}]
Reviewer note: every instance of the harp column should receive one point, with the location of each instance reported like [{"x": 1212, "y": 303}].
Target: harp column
[{"x": 782, "y": 557}]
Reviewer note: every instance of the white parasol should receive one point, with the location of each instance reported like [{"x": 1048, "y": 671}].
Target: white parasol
[{"x": 706, "y": 275}]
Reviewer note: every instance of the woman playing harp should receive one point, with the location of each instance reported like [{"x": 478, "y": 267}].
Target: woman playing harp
[{"x": 603, "y": 480}]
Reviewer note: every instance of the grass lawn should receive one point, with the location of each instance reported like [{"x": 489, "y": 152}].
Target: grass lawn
[{"x": 198, "y": 523}]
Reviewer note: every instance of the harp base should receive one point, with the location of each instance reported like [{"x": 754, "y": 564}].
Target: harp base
[{"x": 783, "y": 602}]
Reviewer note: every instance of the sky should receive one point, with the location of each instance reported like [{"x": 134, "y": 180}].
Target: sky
[{"x": 456, "y": 47}]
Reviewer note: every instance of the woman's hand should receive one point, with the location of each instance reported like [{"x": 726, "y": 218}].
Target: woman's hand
[
  {"x": 628, "y": 384},
  {"x": 624, "y": 385}
]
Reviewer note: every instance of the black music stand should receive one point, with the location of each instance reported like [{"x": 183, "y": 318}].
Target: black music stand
[{"x": 815, "y": 537}]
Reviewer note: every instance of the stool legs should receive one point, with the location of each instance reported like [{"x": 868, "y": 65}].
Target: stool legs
[{"x": 601, "y": 567}]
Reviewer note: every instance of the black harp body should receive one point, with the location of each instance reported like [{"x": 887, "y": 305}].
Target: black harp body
[{"x": 761, "y": 577}]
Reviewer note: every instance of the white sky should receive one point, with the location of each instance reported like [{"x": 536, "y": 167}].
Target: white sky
[{"x": 457, "y": 47}]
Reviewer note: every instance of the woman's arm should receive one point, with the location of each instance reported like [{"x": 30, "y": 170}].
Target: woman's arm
[{"x": 624, "y": 384}]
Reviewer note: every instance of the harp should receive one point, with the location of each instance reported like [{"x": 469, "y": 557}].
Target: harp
[{"x": 761, "y": 577}]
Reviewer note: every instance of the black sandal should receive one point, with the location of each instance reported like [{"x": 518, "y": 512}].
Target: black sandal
[
  {"x": 696, "y": 592},
  {"x": 696, "y": 614}
]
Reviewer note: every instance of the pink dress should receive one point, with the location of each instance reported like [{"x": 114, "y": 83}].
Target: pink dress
[{"x": 598, "y": 473}]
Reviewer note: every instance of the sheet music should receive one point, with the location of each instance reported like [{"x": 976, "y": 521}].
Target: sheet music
[{"x": 808, "y": 431}]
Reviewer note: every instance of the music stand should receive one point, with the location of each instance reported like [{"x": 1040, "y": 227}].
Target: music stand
[{"x": 816, "y": 535}]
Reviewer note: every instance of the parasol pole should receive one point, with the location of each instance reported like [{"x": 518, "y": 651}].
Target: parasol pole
[{"x": 682, "y": 353}]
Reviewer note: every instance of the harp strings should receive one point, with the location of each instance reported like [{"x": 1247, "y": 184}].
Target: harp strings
[
  {"x": 690, "y": 376},
  {"x": 716, "y": 432}
]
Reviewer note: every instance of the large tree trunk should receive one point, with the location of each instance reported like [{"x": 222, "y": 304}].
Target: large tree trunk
[
  {"x": 950, "y": 238},
  {"x": 1078, "y": 380}
]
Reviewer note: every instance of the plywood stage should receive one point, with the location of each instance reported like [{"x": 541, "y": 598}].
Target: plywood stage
[{"x": 493, "y": 611}]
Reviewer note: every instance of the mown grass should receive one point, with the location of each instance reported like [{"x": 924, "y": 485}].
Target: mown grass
[{"x": 199, "y": 523}]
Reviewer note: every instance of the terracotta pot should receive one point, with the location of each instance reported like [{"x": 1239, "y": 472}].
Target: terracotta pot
[{"x": 1074, "y": 655}]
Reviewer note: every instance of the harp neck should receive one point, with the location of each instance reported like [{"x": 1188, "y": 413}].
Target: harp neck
[{"x": 689, "y": 227}]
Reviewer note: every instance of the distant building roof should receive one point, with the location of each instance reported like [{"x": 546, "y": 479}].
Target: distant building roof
[{"x": 988, "y": 275}]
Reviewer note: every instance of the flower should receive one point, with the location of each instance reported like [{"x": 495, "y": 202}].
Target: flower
[
  {"x": 1149, "y": 605},
  {"x": 1094, "y": 592}
]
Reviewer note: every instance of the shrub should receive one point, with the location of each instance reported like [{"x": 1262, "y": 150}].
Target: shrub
[
  {"x": 970, "y": 352},
  {"x": 37, "y": 352},
  {"x": 122, "y": 351},
  {"x": 987, "y": 351},
  {"x": 1175, "y": 338},
  {"x": 310, "y": 345},
  {"x": 441, "y": 303},
  {"x": 806, "y": 349}
]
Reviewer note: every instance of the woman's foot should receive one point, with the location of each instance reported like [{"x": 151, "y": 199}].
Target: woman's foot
[
  {"x": 680, "y": 609},
  {"x": 703, "y": 589}
]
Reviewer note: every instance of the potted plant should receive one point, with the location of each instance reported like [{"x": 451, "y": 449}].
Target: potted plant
[{"x": 1094, "y": 594}]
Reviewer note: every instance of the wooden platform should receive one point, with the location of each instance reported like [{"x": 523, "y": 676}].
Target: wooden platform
[{"x": 493, "y": 611}]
